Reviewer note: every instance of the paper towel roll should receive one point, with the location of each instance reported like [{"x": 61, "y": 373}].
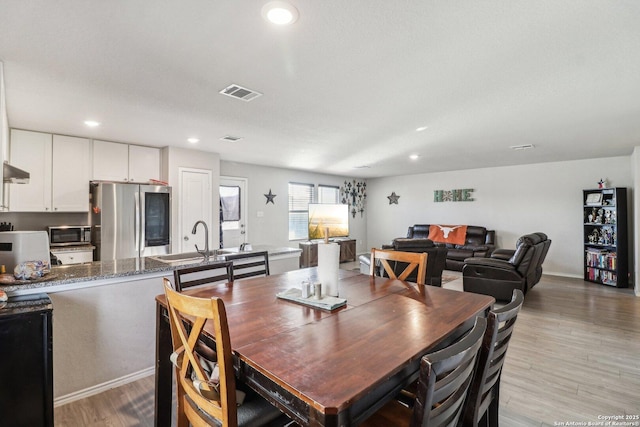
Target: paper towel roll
[{"x": 328, "y": 265}]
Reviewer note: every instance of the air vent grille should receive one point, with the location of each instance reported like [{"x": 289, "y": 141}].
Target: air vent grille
[
  {"x": 239, "y": 92},
  {"x": 231, "y": 138},
  {"x": 522, "y": 147}
]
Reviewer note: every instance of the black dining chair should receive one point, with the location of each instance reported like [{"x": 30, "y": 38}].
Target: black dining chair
[
  {"x": 445, "y": 376},
  {"x": 204, "y": 274},
  {"x": 481, "y": 406},
  {"x": 249, "y": 264}
]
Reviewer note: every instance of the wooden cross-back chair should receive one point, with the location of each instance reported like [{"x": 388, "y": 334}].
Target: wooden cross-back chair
[
  {"x": 481, "y": 407},
  {"x": 414, "y": 260},
  {"x": 202, "y": 395},
  {"x": 203, "y": 275},
  {"x": 249, "y": 264},
  {"x": 444, "y": 379}
]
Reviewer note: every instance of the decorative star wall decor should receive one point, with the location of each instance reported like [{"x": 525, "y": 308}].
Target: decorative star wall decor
[
  {"x": 393, "y": 198},
  {"x": 270, "y": 197}
]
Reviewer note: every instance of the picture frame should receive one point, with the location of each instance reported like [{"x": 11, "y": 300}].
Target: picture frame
[{"x": 594, "y": 199}]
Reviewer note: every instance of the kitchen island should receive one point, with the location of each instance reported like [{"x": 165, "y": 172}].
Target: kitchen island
[
  {"x": 104, "y": 318},
  {"x": 68, "y": 277}
]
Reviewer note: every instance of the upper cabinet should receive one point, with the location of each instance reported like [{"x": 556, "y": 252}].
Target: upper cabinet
[
  {"x": 144, "y": 163},
  {"x": 110, "y": 161},
  {"x": 70, "y": 174},
  {"x": 113, "y": 161},
  {"x": 59, "y": 169}
]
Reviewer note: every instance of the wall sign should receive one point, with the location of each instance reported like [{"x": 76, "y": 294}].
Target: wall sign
[{"x": 461, "y": 195}]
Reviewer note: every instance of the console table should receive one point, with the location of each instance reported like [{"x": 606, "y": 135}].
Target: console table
[{"x": 309, "y": 256}]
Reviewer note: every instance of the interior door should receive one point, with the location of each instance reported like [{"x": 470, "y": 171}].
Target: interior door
[
  {"x": 195, "y": 205},
  {"x": 233, "y": 211}
]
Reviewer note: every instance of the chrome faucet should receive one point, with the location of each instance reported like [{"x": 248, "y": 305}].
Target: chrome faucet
[{"x": 204, "y": 253}]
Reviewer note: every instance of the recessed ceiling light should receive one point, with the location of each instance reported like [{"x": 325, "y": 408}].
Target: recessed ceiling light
[
  {"x": 193, "y": 140},
  {"x": 91, "y": 123},
  {"x": 421, "y": 128},
  {"x": 414, "y": 156},
  {"x": 280, "y": 13}
]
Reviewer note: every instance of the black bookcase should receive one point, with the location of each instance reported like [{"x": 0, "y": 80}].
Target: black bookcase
[{"x": 606, "y": 258}]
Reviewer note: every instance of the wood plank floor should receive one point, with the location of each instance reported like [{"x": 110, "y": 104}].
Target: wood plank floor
[{"x": 574, "y": 357}]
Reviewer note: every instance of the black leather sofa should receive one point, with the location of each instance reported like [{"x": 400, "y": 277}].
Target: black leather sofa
[
  {"x": 507, "y": 270},
  {"x": 436, "y": 257},
  {"x": 479, "y": 243}
]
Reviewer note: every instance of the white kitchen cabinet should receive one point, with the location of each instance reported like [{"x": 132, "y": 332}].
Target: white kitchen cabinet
[
  {"x": 73, "y": 257},
  {"x": 31, "y": 151},
  {"x": 144, "y": 163},
  {"x": 70, "y": 174},
  {"x": 113, "y": 161},
  {"x": 110, "y": 161},
  {"x": 59, "y": 172}
]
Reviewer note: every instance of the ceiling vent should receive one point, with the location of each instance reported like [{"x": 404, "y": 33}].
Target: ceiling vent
[
  {"x": 240, "y": 92},
  {"x": 522, "y": 147},
  {"x": 230, "y": 138}
]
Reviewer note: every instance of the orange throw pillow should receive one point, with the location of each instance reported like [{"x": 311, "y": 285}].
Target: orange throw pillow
[{"x": 453, "y": 234}]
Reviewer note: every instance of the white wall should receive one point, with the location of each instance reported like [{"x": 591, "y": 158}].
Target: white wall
[
  {"x": 273, "y": 227},
  {"x": 513, "y": 200}
]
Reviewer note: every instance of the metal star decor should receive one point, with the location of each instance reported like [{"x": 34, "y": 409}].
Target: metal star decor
[
  {"x": 393, "y": 198},
  {"x": 270, "y": 197}
]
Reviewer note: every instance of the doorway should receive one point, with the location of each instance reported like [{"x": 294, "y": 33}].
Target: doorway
[{"x": 233, "y": 212}]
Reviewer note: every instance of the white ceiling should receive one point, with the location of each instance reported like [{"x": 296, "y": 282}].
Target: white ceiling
[{"x": 344, "y": 87}]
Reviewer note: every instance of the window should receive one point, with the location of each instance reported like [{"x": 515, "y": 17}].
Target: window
[
  {"x": 328, "y": 194},
  {"x": 300, "y": 195}
]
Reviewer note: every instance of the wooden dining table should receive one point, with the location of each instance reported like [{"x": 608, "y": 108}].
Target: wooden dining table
[{"x": 327, "y": 368}]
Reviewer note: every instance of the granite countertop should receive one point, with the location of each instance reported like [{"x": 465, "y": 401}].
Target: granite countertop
[
  {"x": 25, "y": 304},
  {"x": 100, "y": 270}
]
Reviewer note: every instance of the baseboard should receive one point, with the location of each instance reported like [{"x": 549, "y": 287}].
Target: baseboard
[{"x": 99, "y": 388}]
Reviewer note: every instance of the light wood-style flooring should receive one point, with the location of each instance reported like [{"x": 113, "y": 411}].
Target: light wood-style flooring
[{"x": 574, "y": 357}]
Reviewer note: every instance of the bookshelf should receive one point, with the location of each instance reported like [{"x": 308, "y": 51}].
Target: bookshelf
[{"x": 605, "y": 236}]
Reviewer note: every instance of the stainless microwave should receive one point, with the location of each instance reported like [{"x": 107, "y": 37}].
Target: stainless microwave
[{"x": 67, "y": 235}]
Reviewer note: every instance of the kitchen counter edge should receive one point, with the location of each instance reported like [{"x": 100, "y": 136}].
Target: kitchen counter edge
[{"x": 99, "y": 271}]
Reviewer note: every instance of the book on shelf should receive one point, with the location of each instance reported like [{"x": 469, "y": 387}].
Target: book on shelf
[{"x": 601, "y": 258}]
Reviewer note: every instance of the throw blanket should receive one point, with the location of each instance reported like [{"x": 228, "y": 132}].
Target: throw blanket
[{"x": 453, "y": 234}]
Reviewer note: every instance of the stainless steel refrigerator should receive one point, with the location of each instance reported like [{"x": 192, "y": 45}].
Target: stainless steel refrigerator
[{"x": 130, "y": 220}]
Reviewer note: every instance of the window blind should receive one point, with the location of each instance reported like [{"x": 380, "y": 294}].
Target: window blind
[{"x": 300, "y": 195}]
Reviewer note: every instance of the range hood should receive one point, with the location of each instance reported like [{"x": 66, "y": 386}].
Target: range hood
[{"x": 14, "y": 175}]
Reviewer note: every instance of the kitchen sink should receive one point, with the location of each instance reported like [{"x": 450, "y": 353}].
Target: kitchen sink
[{"x": 191, "y": 257}]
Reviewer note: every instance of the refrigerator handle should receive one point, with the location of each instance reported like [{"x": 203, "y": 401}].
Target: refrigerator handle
[{"x": 138, "y": 229}]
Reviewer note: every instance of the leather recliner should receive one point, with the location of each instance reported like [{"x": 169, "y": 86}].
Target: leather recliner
[
  {"x": 479, "y": 242},
  {"x": 507, "y": 270},
  {"x": 436, "y": 257}
]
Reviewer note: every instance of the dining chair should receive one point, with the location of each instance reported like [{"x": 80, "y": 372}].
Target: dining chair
[
  {"x": 203, "y": 274},
  {"x": 444, "y": 379},
  {"x": 415, "y": 261},
  {"x": 249, "y": 264},
  {"x": 481, "y": 407},
  {"x": 207, "y": 395}
]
